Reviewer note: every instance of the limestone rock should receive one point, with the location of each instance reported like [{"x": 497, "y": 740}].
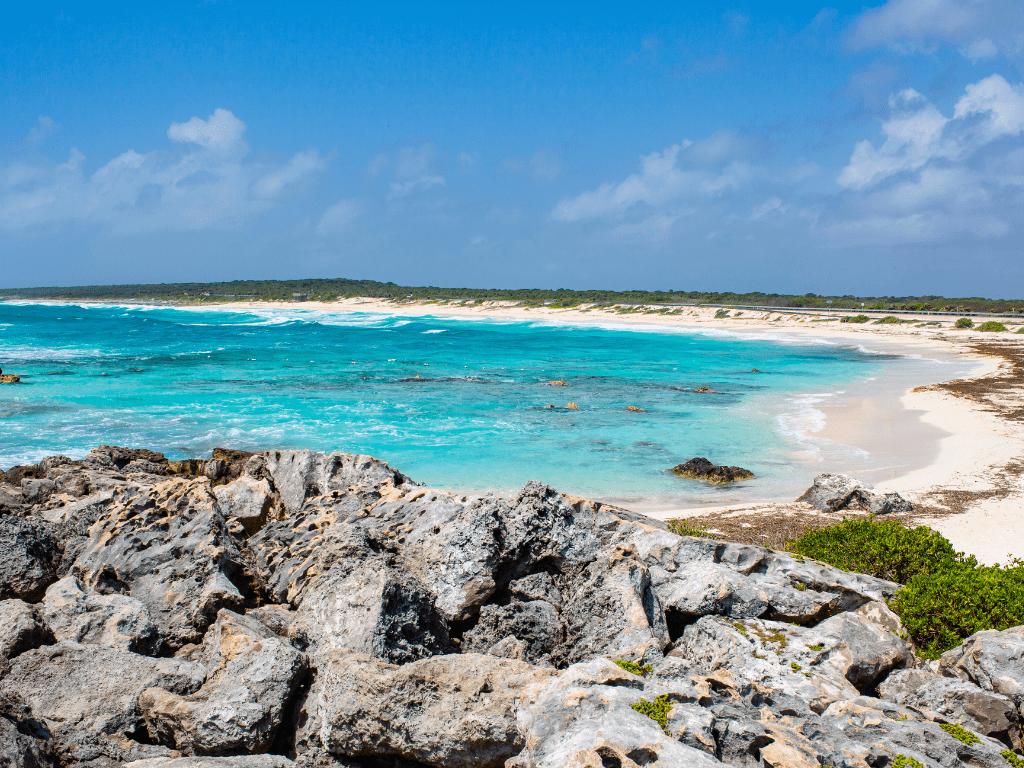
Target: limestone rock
[
  {"x": 584, "y": 718},
  {"x": 29, "y": 557},
  {"x": 702, "y": 469},
  {"x": 169, "y": 548},
  {"x": 454, "y": 711},
  {"x": 614, "y": 611},
  {"x": 114, "y": 620},
  {"x": 534, "y": 623},
  {"x": 24, "y": 743},
  {"x": 992, "y": 660},
  {"x": 301, "y": 475},
  {"x": 248, "y": 500},
  {"x": 86, "y": 696},
  {"x": 236, "y": 761},
  {"x": 539, "y": 586},
  {"x": 373, "y": 609},
  {"x": 251, "y": 675},
  {"x": 955, "y": 701},
  {"x": 21, "y": 629},
  {"x": 831, "y": 493}
]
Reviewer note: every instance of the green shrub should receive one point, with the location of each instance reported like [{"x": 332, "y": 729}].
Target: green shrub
[
  {"x": 887, "y": 550},
  {"x": 960, "y": 733},
  {"x": 942, "y": 608},
  {"x": 902, "y": 761},
  {"x": 855, "y": 319},
  {"x": 1012, "y": 758},
  {"x": 634, "y": 667},
  {"x": 887, "y": 320},
  {"x": 680, "y": 528},
  {"x": 964, "y": 322},
  {"x": 1021, "y": 329},
  {"x": 721, "y": 313},
  {"x": 992, "y": 327},
  {"x": 657, "y": 710}
]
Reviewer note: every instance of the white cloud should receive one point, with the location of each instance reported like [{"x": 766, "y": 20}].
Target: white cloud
[
  {"x": 468, "y": 159},
  {"x": 44, "y": 127},
  {"x": 340, "y": 217},
  {"x": 678, "y": 172},
  {"x": 917, "y": 134},
  {"x": 221, "y": 131},
  {"x": 207, "y": 182},
  {"x": 413, "y": 171},
  {"x": 302, "y": 166},
  {"x": 978, "y": 28}
]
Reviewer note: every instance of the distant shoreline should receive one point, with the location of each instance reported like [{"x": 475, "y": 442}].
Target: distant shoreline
[{"x": 964, "y": 446}]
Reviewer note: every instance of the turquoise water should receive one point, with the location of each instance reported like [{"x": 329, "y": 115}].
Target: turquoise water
[{"x": 451, "y": 402}]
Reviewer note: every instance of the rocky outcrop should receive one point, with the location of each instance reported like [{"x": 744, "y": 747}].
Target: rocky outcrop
[
  {"x": 702, "y": 469},
  {"x": 250, "y": 610},
  {"x": 832, "y": 493}
]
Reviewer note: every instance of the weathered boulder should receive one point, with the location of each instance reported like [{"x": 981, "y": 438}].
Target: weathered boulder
[
  {"x": 29, "y": 557},
  {"x": 454, "y": 711},
  {"x": 86, "y": 696},
  {"x": 251, "y": 675},
  {"x": 535, "y": 623},
  {"x": 831, "y": 493},
  {"x": 24, "y": 743},
  {"x": 613, "y": 611},
  {"x": 992, "y": 660},
  {"x": 118, "y": 621},
  {"x": 954, "y": 701},
  {"x": 302, "y": 475},
  {"x": 701, "y": 469},
  {"x": 169, "y": 548},
  {"x": 235, "y": 761},
  {"x": 21, "y": 629},
  {"x": 584, "y": 718},
  {"x": 370, "y": 608},
  {"x": 248, "y": 500}
]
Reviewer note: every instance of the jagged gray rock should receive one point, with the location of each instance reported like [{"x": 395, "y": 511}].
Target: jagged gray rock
[
  {"x": 832, "y": 493},
  {"x": 118, "y": 621},
  {"x": 24, "y": 743},
  {"x": 21, "y": 629},
  {"x": 87, "y": 696},
  {"x": 251, "y": 675},
  {"x": 169, "y": 548},
  {"x": 954, "y": 701},
  {"x": 536, "y": 624},
  {"x": 235, "y": 761},
  {"x": 247, "y": 499},
  {"x": 29, "y": 558},
  {"x": 456, "y": 711},
  {"x": 992, "y": 660}
]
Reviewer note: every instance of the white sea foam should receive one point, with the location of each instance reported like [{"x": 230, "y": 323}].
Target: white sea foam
[{"x": 436, "y": 330}]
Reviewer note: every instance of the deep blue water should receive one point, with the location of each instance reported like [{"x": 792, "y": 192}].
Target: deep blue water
[{"x": 451, "y": 402}]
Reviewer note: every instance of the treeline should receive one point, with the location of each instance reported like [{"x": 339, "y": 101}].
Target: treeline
[{"x": 330, "y": 289}]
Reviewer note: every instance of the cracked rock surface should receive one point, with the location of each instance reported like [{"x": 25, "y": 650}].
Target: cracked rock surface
[{"x": 295, "y": 608}]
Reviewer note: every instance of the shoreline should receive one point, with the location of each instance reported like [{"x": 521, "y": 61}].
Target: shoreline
[{"x": 951, "y": 444}]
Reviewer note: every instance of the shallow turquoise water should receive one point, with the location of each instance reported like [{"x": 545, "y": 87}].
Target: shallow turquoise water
[{"x": 451, "y": 402}]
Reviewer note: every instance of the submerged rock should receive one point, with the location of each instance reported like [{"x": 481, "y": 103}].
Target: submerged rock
[
  {"x": 832, "y": 493},
  {"x": 701, "y": 469}
]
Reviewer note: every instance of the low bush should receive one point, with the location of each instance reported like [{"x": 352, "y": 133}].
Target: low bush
[
  {"x": 680, "y": 528},
  {"x": 942, "y": 608},
  {"x": 992, "y": 327},
  {"x": 947, "y": 596},
  {"x": 887, "y": 320},
  {"x": 855, "y": 319},
  {"x": 887, "y": 550},
  {"x": 722, "y": 313},
  {"x": 964, "y": 322},
  {"x": 657, "y": 710}
]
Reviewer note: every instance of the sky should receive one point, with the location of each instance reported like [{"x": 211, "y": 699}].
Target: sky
[{"x": 778, "y": 147}]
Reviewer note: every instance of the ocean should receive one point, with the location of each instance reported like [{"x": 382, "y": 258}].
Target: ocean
[{"x": 456, "y": 403}]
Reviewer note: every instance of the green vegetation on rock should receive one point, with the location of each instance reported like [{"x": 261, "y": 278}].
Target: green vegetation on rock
[
  {"x": 947, "y": 596},
  {"x": 960, "y": 733},
  {"x": 634, "y": 667},
  {"x": 657, "y": 710},
  {"x": 1012, "y": 758},
  {"x": 887, "y": 550},
  {"x": 680, "y": 528},
  {"x": 902, "y": 761}
]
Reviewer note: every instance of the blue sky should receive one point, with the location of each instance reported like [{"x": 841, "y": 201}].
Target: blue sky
[{"x": 725, "y": 146}]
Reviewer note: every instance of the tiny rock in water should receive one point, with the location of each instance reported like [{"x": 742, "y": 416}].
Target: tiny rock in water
[{"x": 701, "y": 469}]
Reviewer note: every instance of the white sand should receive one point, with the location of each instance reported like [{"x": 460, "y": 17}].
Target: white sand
[{"x": 950, "y": 442}]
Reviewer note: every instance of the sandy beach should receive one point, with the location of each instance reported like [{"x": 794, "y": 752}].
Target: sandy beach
[{"x": 958, "y": 441}]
